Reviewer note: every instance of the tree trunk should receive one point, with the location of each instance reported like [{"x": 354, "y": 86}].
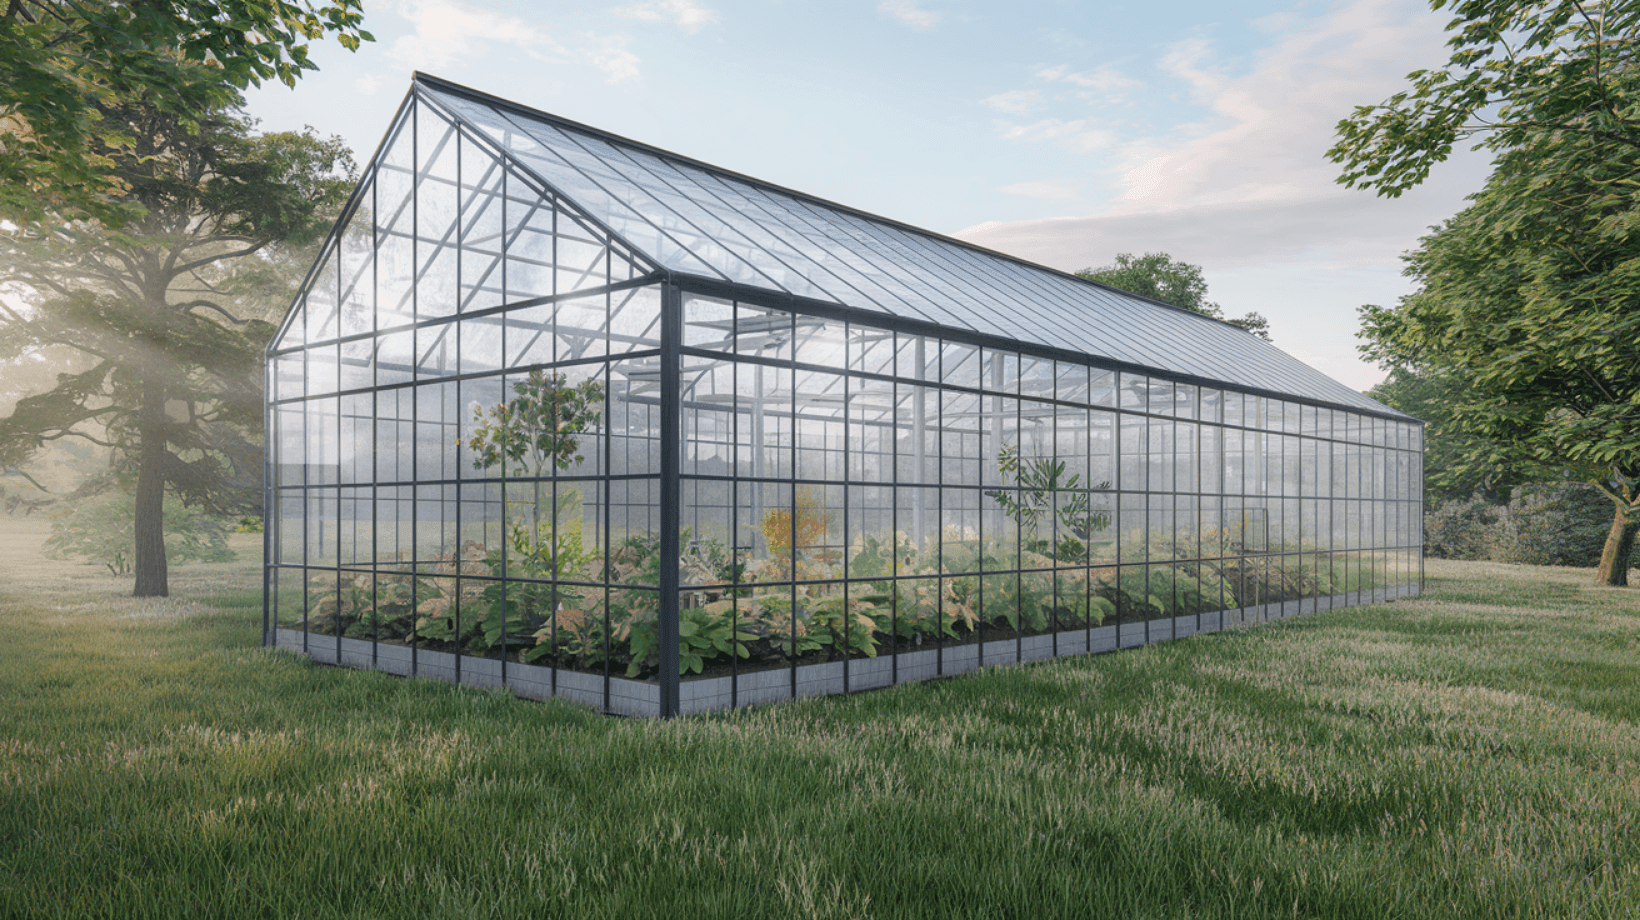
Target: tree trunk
[
  {"x": 1614, "y": 558},
  {"x": 152, "y": 574}
]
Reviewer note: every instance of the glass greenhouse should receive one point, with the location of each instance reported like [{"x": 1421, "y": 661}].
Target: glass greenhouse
[{"x": 567, "y": 414}]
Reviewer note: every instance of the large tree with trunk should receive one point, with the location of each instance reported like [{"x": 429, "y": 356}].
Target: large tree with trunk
[
  {"x": 1532, "y": 293},
  {"x": 166, "y": 316}
]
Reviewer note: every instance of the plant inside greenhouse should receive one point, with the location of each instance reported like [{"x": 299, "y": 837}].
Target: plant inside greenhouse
[{"x": 559, "y": 412}]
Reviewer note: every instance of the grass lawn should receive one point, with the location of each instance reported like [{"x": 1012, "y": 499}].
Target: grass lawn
[{"x": 1473, "y": 753}]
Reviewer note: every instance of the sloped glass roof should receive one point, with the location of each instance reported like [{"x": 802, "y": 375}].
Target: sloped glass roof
[{"x": 696, "y": 219}]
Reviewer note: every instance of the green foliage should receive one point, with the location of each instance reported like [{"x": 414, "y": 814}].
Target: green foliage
[
  {"x": 1520, "y": 70},
  {"x": 1527, "y": 295},
  {"x": 1544, "y": 261},
  {"x": 382, "y": 606},
  {"x": 848, "y": 625},
  {"x": 1458, "y": 529},
  {"x": 562, "y": 615},
  {"x": 1458, "y": 463},
  {"x": 166, "y": 332},
  {"x": 1552, "y": 524},
  {"x": 538, "y": 429},
  {"x": 540, "y": 564},
  {"x": 1163, "y": 591},
  {"x": 1543, "y": 524},
  {"x": 104, "y": 531},
  {"x": 1045, "y": 491},
  {"x": 67, "y": 67},
  {"x": 1159, "y": 276}
]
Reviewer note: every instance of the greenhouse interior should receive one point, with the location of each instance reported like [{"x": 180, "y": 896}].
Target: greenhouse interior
[{"x": 566, "y": 414}]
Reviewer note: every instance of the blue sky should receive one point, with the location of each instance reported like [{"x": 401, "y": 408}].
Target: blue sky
[{"x": 1058, "y": 131}]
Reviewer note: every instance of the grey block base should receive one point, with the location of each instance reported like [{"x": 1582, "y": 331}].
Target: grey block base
[{"x": 623, "y": 696}]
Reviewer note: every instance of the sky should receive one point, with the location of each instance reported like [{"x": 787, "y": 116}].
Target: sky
[{"x": 1058, "y": 131}]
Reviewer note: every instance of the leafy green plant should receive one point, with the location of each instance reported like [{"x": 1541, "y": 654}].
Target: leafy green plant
[
  {"x": 538, "y": 562},
  {"x": 364, "y": 604},
  {"x": 705, "y": 634},
  {"x": 1563, "y": 523},
  {"x": 845, "y": 624},
  {"x": 104, "y": 531},
  {"x": 1045, "y": 493},
  {"x": 453, "y": 614},
  {"x": 535, "y": 432},
  {"x": 540, "y": 427},
  {"x": 1160, "y": 591}
]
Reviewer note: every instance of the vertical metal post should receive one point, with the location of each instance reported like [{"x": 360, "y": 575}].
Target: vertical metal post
[
  {"x": 919, "y": 435},
  {"x": 270, "y": 444},
  {"x": 671, "y": 490},
  {"x": 1418, "y": 509}
]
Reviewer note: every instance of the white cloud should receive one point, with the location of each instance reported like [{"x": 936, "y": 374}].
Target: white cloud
[
  {"x": 1265, "y": 133},
  {"x": 1084, "y": 135},
  {"x": 448, "y": 31},
  {"x": 1248, "y": 182},
  {"x": 1046, "y": 190},
  {"x": 685, "y": 14},
  {"x": 1015, "y": 102},
  {"x": 906, "y": 11},
  {"x": 1105, "y": 78},
  {"x": 1189, "y": 60},
  {"x": 617, "y": 62},
  {"x": 367, "y": 85},
  {"x": 1244, "y": 189}
]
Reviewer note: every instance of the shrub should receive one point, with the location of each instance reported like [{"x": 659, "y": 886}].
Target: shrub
[
  {"x": 1561, "y": 523},
  {"x": 1459, "y": 529},
  {"x": 105, "y": 531}
]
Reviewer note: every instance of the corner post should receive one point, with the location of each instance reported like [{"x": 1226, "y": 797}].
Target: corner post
[
  {"x": 671, "y": 489},
  {"x": 269, "y": 440}
]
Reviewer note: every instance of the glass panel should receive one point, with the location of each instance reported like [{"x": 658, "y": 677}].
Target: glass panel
[
  {"x": 482, "y": 228},
  {"x": 708, "y": 322},
  {"x": 870, "y": 350},
  {"x": 358, "y": 247},
  {"x": 435, "y": 215}
]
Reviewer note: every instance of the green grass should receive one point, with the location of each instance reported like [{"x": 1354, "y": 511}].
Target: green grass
[{"x": 1473, "y": 753}]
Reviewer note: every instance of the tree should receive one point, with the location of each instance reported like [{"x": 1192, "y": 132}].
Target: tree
[
  {"x": 1519, "y": 69},
  {"x": 168, "y": 369},
  {"x": 1458, "y": 463},
  {"x": 65, "y": 63},
  {"x": 1159, "y": 276},
  {"x": 1528, "y": 293}
]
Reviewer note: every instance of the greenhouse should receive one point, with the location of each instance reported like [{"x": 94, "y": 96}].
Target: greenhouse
[{"x": 563, "y": 413}]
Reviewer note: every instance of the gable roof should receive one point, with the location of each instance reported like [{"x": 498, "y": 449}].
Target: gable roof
[{"x": 696, "y": 219}]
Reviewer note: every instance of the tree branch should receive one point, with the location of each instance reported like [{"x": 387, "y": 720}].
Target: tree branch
[
  {"x": 14, "y": 471},
  {"x": 201, "y": 263},
  {"x": 211, "y": 306}
]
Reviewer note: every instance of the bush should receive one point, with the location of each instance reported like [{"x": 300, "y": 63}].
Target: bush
[
  {"x": 1459, "y": 529},
  {"x": 1556, "y": 523},
  {"x": 1552, "y": 524},
  {"x": 105, "y": 531}
]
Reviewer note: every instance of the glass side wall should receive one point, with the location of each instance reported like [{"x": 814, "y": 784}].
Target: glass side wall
[
  {"x": 850, "y": 492},
  {"x": 463, "y": 427}
]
